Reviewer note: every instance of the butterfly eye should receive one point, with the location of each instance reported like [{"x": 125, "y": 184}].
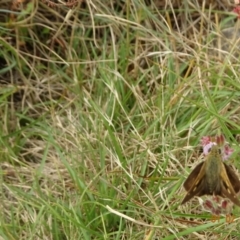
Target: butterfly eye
[{"x": 209, "y": 150}]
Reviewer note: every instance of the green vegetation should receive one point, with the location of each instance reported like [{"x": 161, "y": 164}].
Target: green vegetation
[{"x": 103, "y": 106}]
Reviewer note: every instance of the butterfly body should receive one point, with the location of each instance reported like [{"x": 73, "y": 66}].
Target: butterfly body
[
  {"x": 212, "y": 177},
  {"x": 213, "y": 170}
]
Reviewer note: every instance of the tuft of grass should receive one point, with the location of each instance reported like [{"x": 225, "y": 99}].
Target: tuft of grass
[{"x": 103, "y": 105}]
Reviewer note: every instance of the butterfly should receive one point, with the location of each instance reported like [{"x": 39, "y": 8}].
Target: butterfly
[{"x": 213, "y": 177}]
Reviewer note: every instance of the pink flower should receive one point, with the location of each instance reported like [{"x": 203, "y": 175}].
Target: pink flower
[
  {"x": 224, "y": 204},
  {"x": 237, "y": 11},
  {"x": 208, "y": 204},
  {"x": 207, "y": 142},
  {"x": 216, "y": 205},
  {"x": 227, "y": 152}
]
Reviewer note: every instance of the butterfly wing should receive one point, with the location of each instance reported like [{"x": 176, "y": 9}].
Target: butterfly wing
[
  {"x": 230, "y": 187},
  {"x": 192, "y": 177},
  {"x": 195, "y": 183},
  {"x": 233, "y": 178},
  {"x": 227, "y": 193}
]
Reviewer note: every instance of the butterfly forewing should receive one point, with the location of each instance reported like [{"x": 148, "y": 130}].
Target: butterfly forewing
[
  {"x": 195, "y": 183},
  {"x": 233, "y": 178},
  {"x": 198, "y": 190},
  {"x": 227, "y": 189},
  {"x": 192, "y": 177}
]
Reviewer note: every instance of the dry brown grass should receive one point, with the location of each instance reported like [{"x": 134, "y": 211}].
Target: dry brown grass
[{"x": 95, "y": 94}]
